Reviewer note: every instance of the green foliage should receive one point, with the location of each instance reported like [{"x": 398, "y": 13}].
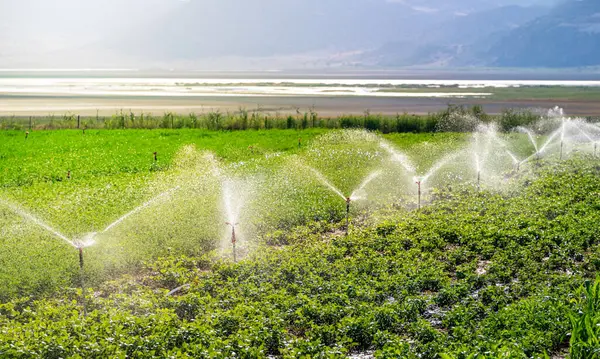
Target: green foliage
[
  {"x": 477, "y": 274},
  {"x": 585, "y": 334},
  {"x": 452, "y": 119}
]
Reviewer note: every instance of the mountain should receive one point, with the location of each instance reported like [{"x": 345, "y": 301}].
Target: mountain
[
  {"x": 569, "y": 36},
  {"x": 456, "y": 41}
]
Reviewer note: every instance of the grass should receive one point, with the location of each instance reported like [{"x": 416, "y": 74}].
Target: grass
[
  {"x": 453, "y": 118},
  {"x": 493, "y": 271}
]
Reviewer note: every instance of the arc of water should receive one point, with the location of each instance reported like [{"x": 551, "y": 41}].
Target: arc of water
[
  {"x": 505, "y": 146},
  {"x": 550, "y": 139},
  {"x": 530, "y": 136},
  {"x": 37, "y": 221},
  {"x": 399, "y": 157},
  {"x": 139, "y": 208},
  {"x": 437, "y": 166},
  {"x": 364, "y": 184},
  {"x": 324, "y": 180},
  {"x": 544, "y": 146},
  {"x": 584, "y": 133},
  {"x": 513, "y": 157}
]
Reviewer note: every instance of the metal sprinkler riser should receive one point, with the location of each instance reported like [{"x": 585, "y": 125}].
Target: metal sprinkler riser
[
  {"x": 233, "y": 240},
  {"x": 348, "y": 201},
  {"x": 419, "y": 194},
  {"x": 81, "y": 258}
]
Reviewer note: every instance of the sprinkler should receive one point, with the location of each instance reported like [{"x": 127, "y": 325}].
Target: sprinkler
[
  {"x": 69, "y": 174},
  {"x": 595, "y": 149},
  {"x": 478, "y": 179},
  {"x": 419, "y": 193},
  {"x": 81, "y": 275},
  {"x": 518, "y": 166},
  {"x": 348, "y": 201},
  {"x": 299, "y": 142},
  {"x": 26, "y": 134},
  {"x": 233, "y": 239},
  {"x": 155, "y": 156},
  {"x": 81, "y": 258},
  {"x": 561, "y": 149}
]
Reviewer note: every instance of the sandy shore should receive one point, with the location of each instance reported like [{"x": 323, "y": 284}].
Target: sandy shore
[{"x": 325, "y": 106}]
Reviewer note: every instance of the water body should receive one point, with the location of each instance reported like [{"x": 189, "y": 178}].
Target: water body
[{"x": 105, "y": 92}]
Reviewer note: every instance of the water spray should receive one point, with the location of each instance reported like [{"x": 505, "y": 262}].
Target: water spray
[
  {"x": 562, "y": 139},
  {"x": 233, "y": 239},
  {"x": 595, "y": 149}
]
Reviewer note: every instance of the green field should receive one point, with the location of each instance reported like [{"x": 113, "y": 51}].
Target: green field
[{"x": 495, "y": 270}]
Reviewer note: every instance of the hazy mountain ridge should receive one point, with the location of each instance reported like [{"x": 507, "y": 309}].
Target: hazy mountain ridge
[
  {"x": 458, "y": 41},
  {"x": 569, "y": 36}
]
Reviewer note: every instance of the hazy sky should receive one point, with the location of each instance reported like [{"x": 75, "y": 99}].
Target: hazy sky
[
  {"x": 54, "y": 23},
  {"x": 50, "y": 29}
]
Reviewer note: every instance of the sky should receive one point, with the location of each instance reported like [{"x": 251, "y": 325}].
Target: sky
[
  {"x": 58, "y": 23},
  {"x": 43, "y": 28}
]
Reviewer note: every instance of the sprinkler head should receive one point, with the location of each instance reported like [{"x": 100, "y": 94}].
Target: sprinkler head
[
  {"x": 69, "y": 174},
  {"x": 155, "y": 156},
  {"x": 26, "y": 134}
]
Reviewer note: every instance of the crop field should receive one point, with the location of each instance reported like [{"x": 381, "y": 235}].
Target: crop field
[{"x": 478, "y": 244}]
